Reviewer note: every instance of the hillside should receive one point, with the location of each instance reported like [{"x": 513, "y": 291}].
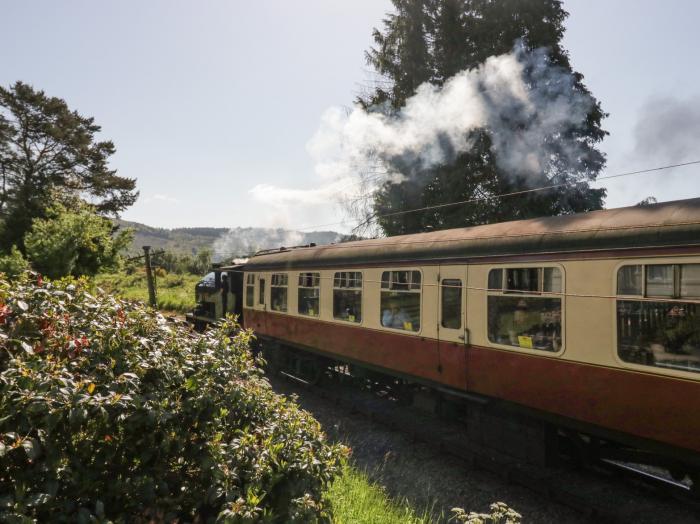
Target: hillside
[{"x": 225, "y": 243}]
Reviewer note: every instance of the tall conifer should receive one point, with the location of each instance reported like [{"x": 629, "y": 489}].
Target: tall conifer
[{"x": 432, "y": 40}]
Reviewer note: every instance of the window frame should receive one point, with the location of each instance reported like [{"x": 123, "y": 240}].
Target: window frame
[
  {"x": 420, "y": 302},
  {"x": 280, "y": 286},
  {"x": 534, "y": 294},
  {"x": 441, "y": 312},
  {"x": 676, "y": 261},
  {"x": 677, "y": 274},
  {"x": 300, "y": 287},
  {"x": 361, "y": 289},
  {"x": 262, "y": 291},
  {"x": 248, "y": 283}
]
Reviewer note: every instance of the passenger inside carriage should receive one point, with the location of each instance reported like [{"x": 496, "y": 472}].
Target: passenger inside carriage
[
  {"x": 396, "y": 317},
  {"x": 527, "y": 322}
]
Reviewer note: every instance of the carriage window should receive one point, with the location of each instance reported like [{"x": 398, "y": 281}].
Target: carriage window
[
  {"x": 309, "y": 293},
  {"x": 525, "y": 279},
  {"x": 278, "y": 292},
  {"x": 496, "y": 279},
  {"x": 249, "y": 289},
  {"x": 690, "y": 280},
  {"x": 661, "y": 333},
  {"x": 551, "y": 281},
  {"x": 451, "y": 303},
  {"x": 629, "y": 280},
  {"x": 400, "y": 300},
  {"x": 347, "y": 296},
  {"x": 261, "y": 292},
  {"x": 531, "y": 319},
  {"x": 660, "y": 280}
]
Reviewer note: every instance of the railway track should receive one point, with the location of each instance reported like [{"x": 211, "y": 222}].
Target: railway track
[{"x": 603, "y": 492}]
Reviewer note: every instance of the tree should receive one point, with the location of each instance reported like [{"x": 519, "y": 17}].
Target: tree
[
  {"x": 461, "y": 34},
  {"x": 74, "y": 241},
  {"x": 47, "y": 150},
  {"x": 13, "y": 264},
  {"x": 402, "y": 53}
]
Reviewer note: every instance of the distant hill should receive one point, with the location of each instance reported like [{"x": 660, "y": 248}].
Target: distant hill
[{"x": 225, "y": 243}]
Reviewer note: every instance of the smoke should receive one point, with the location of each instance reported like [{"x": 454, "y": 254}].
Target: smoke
[
  {"x": 243, "y": 241},
  {"x": 529, "y": 107},
  {"x": 668, "y": 129},
  {"x": 520, "y": 99}
]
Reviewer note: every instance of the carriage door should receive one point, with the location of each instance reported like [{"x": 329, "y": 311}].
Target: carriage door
[{"x": 452, "y": 325}]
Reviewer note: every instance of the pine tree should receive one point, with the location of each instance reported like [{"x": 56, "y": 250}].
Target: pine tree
[
  {"x": 48, "y": 151},
  {"x": 401, "y": 54},
  {"x": 458, "y": 35}
]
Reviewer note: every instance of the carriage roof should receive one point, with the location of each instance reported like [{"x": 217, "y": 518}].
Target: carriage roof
[{"x": 669, "y": 224}]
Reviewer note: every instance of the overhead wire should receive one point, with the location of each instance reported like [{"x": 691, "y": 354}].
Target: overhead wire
[
  {"x": 497, "y": 291},
  {"x": 387, "y": 241},
  {"x": 503, "y": 195}
]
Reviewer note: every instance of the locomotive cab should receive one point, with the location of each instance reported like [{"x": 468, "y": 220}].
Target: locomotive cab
[{"x": 217, "y": 294}]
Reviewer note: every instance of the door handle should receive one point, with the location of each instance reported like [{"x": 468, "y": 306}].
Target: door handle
[{"x": 462, "y": 337}]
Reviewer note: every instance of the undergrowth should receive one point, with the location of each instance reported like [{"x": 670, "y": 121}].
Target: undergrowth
[
  {"x": 108, "y": 412},
  {"x": 174, "y": 292}
]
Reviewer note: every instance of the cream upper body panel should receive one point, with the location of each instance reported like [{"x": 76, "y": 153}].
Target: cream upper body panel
[{"x": 588, "y": 306}]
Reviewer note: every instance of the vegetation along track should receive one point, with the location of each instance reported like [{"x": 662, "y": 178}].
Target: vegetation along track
[{"x": 601, "y": 492}]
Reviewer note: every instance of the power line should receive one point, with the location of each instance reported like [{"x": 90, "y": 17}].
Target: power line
[
  {"x": 388, "y": 242},
  {"x": 502, "y": 195},
  {"x": 504, "y": 292},
  {"x": 526, "y": 191}
]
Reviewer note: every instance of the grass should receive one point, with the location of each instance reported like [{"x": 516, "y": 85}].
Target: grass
[
  {"x": 174, "y": 292},
  {"x": 355, "y": 499}
]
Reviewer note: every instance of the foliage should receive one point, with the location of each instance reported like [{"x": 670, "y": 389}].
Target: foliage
[
  {"x": 47, "y": 150},
  {"x": 182, "y": 263},
  {"x": 431, "y": 41},
  {"x": 74, "y": 242},
  {"x": 648, "y": 201},
  {"x": 402, "y": 53},
  {"x": 355, "y": 499},
  {"x": 174, "y": 292},
  {"x": 500, "y": 514},
  {"x": 109, "y": 412},
  {"x": 13, "y": 264}
]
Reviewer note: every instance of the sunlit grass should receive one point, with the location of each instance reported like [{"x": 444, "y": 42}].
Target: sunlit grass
[
  {"x": 174, "y": 292},
  {"x": 355, "y": 499}
]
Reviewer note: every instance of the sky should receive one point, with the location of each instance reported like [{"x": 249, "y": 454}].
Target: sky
[{"x": 212, "y": 104}]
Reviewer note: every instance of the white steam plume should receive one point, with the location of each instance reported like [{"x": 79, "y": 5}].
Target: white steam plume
[
  {"x": 519, "y": 98},
  {"x": 527, "y": 106},
  {"x": 241, "y": 242}
]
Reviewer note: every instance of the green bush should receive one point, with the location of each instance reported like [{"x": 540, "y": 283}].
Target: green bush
[
  {"x": 500, "y": 513},
  {"x": 75, "y": 241},
  {"x": 13, "y": 264},
  {"x": 109, "y": 412},
  {"x": 181, "y": 263}
]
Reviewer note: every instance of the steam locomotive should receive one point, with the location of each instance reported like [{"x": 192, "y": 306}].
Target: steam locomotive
[{"x": 584, "y": 326}]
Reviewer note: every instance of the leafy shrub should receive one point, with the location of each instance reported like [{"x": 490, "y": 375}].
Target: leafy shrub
[
  {"x": 13, "y": 264},
  {"x": 108, "y": 411},
  {"x": 500, "y": 513},
  {"x": 75, "y": 241},
  {"x": 181, "y": 263}
]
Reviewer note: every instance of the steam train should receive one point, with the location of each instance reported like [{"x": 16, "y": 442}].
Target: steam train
[{"x": 584, "y": 325}]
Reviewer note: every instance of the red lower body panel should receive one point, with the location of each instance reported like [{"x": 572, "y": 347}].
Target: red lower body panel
[{"x": 648, "y": 406}]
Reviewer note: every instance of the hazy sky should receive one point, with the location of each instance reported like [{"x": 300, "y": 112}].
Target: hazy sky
[{"x": 208, "y": 100}]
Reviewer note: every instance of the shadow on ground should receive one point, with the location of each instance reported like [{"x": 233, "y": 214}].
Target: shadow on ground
[{"x": 419, "y": 474}]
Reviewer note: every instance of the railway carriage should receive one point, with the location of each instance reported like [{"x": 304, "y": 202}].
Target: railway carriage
[{"x": 589, "y": 323}]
